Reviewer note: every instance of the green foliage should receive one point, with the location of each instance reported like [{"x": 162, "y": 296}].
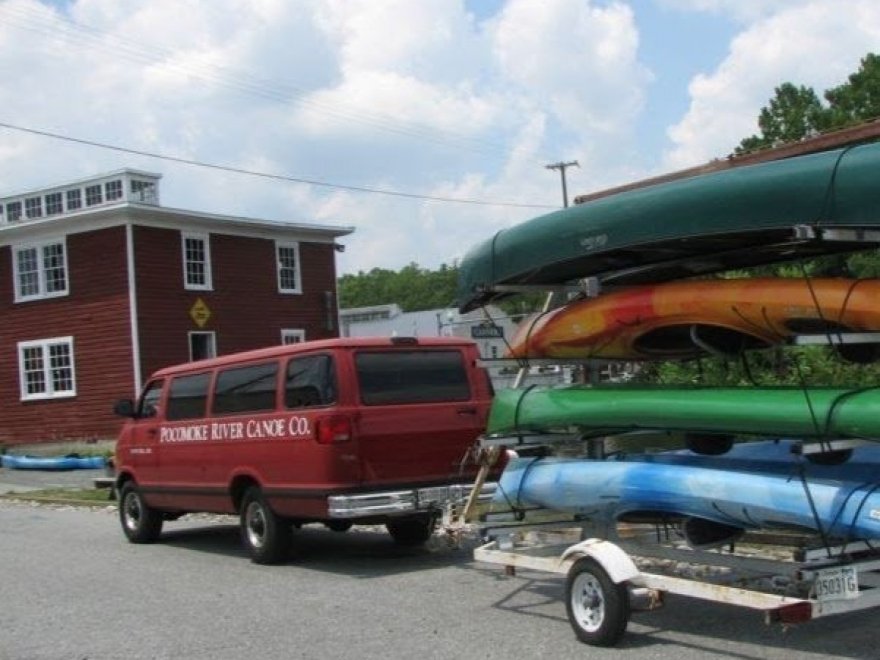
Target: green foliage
[
  {"x": 815, "y": 366},
  {"x": 416, "y": 289},
  {"x": 795, "y": 112},
  {"x": 413, "y": 288},
  {"x": 858, "y": 99}
]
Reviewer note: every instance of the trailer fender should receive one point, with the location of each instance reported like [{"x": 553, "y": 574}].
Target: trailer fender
[{"x": 617, "y": 563}]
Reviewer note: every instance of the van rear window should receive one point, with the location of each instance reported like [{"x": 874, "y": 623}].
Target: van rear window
[
  {"x": 387, "y": 377},
  {"x": 187, "y": 397}
]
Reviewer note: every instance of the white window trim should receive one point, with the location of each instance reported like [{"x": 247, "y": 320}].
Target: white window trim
[
  {"x": 293, "y": 333},
  {"x": 47, "y": 370},
  {"x": 295, "y": 246},
  {"x": 210, "y": 333},
  {"x": 209, "y": 278},
  {"x": 41, "y": 271}
]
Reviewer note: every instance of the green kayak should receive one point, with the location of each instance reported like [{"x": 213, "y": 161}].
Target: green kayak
[
  {"x": 745, "y": 216},
  {"x": 783, "y": 411}
]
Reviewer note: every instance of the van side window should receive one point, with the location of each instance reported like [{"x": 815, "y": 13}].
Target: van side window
[
  {"x": 311, "y": 381},
  {"x": 187, "y": 397},
  {"x": 149, "y": 403},
  {"x": 387, "y": 377},
  {"x": 246, "y": 389}
]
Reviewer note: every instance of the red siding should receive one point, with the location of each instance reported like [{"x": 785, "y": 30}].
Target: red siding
[
  {"x": 246, "y": 312},
  {"x": 246, "y": 309},
  {"x": 95, "y": 314}
]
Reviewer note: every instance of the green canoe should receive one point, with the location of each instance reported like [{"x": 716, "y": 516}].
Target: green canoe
[
  {"x": 734, "y": 218},
  {"x": 775, "y": 411}
]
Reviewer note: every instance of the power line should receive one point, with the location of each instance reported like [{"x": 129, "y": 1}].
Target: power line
[
  {"x": 242, "y": 82},
  {"x": 265, "y": 175}
]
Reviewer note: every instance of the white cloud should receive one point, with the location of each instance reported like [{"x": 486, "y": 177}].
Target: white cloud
[
  {"x": 579, "y": 57},
  {"x": 419, "y": 97},
  {"x": 817, "y": 44}
]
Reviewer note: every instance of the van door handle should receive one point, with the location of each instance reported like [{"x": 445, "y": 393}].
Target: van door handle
[{"x": 467, "y": 411}]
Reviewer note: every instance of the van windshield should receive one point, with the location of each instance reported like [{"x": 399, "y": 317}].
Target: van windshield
[{"x": 395, "y": 377}]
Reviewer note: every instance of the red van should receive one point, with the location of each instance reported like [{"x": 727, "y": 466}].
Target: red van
[{"x": 342, "y": 432}]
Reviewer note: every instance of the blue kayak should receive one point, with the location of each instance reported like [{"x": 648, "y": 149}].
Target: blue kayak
[
  {"x": 718, "y": 497},
  {"x": 69, "y": 462}
]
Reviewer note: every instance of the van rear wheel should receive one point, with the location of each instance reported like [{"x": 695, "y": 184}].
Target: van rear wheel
[
  {"x": 411, "y": 531},
  {"x": 140, "y": 522},
  {"x": 265, "y": 534}
]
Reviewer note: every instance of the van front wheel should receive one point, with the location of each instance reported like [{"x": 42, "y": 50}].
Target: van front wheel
[
  {"x": 265, "y": 535},
  {"x": 411, "y": 531},
  {"x": 140, "y": 522}
]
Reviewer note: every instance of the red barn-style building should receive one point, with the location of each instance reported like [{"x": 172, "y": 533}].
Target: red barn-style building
[{"x": 100, "y": 286}]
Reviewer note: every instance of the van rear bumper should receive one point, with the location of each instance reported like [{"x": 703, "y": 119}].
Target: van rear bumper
[{"x": 411, "y": 500}]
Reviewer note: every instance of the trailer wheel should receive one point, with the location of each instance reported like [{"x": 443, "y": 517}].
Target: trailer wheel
[
  {"x": 140, "y": 522},
  {"x": 338, "y": 525},
  {"x": 265, "y": 534},
  {"x": 598, "y": 609},
  {"x": 411, "y": 531}
]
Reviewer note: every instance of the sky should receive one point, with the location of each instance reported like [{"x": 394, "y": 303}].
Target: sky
[{"x": 426, "y": 125}]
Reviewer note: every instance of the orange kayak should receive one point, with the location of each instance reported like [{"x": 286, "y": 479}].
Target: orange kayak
[{"x": 686, "y": 319}]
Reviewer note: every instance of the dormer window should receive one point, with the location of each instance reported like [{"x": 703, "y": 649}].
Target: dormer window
[
  {"x": 113, "y": 190},
  {"x": 54, "y": 204},
  {"x": 94, "y": 195},
  {"x": 74, "y": 199},
  {"x": 33, "y": 207},
  {"x": 144, "y": 192},
  {"x": 13, "y": 211}
]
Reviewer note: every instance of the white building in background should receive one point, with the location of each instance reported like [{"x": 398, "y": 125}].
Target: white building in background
[{"x": 490, "y": 329}]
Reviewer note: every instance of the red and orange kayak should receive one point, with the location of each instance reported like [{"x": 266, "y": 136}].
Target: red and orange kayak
[{"x": 685, "y": 319}]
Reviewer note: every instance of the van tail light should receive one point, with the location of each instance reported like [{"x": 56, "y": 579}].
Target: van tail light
[{"x": 333, "y": 430}]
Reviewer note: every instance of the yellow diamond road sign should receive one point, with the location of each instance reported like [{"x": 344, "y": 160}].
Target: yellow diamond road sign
[{"x": 200, "y": 313}]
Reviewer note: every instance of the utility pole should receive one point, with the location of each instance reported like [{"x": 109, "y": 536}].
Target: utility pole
[
  {"x": 561, "y": 167},
  {"x": 585, "y": 373}
]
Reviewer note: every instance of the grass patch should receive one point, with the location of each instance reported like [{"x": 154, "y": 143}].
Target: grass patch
[{"x": 86, "y": 496}]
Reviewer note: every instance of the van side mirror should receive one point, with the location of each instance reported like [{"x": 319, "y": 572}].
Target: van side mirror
[{"x": 124, "y": 408}]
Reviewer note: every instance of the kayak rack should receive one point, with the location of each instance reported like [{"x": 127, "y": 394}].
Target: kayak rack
[{"x": 612, "y": 570}]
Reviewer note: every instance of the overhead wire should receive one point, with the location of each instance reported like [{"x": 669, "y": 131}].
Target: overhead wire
[
  {"x": 267, "y": 175},
  {"x": 240, "y": 81}
]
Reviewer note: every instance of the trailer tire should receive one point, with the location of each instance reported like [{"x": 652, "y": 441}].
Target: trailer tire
[
  {"x": 411, "y": 531},
  {"x": 265, "y": 534},
  {"x": 338, "y": 525},
  {"x": 598, "y": 609}
]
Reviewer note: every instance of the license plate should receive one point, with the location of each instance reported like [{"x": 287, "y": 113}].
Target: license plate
[{"x": 839, "y": 583}]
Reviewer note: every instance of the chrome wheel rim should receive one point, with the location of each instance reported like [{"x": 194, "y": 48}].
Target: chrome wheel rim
[
  {"x": 255, "y": 524},
  {"x": 588, "y": 602},
  {"x": 132, "y": 511}
]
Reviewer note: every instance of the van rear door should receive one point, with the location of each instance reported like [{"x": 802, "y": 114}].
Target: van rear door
[{"x": 419, "y": 413}]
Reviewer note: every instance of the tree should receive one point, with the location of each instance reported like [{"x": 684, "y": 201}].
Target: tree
[
  {"x": 796, "y": 112},
  {"x": 793, "y": 114},
  {"x": 858, "y": 99},
  {"x": 413, "y": 288}
]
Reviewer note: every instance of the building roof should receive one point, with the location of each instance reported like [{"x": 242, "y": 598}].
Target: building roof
[{"x": 127, "y": 211}]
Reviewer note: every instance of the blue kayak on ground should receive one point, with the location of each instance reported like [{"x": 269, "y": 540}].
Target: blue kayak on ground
[{"x": 69, "y": 462}]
